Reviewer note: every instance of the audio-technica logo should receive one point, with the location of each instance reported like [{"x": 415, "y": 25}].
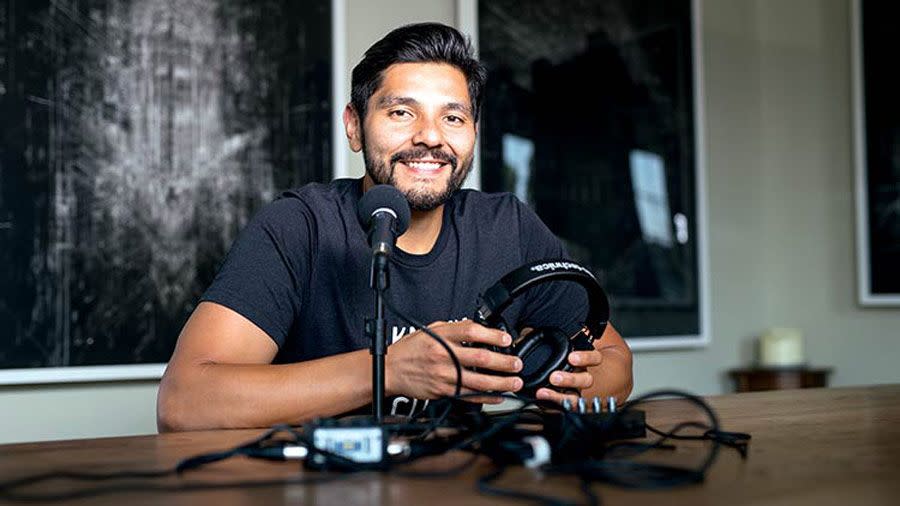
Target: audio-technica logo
[{"x": 555, "y": 266}]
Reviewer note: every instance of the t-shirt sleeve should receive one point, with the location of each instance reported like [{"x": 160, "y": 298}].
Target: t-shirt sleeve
[
  {"x": 263, "y": 274},
  {"x": 562, "y": 304}
]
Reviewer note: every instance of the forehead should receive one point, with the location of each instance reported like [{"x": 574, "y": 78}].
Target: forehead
[{"x": 424, "y": 82}]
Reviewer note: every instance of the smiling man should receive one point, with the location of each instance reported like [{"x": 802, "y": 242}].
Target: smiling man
[{"x": 278, "y": 337}]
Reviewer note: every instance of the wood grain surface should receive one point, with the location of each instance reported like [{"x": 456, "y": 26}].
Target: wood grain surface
[{"x": 811, "y": 446}]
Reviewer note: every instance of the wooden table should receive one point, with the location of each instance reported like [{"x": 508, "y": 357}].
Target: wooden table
[
  {"x": 758, "y": 379},
  {"x": 816, "y": 446}
]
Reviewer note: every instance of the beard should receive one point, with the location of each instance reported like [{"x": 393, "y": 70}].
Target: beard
[{"x": 420, "y": 199}]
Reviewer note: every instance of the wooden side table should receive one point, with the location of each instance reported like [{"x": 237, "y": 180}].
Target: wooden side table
[{"x": 757, "y": 379}]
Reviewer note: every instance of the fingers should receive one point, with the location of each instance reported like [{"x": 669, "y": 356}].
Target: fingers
[
  {"x": 445, "y": 382},
  {"x": 433, "y": 353},
  {"x": 434, "y": 358},
  {"x": 590, "y": 358},
  {"x": 471, "y": 332},
  {"x": 490, "y": 383},
  {"x": 546, "y": 394},
  {"x": 486, "y": 359},
  {"x": 576, "y": 380}
]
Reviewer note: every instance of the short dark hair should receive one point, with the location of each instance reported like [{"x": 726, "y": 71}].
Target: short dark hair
[{"x": 417, "y": 43}]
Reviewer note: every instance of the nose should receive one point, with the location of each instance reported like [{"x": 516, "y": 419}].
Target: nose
[{"x": 428, "y": 133}]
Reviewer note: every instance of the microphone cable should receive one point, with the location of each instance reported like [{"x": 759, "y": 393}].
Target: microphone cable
[
  {"x": 493, "y": 435},
  {"x": 255, "y": 448},
  {"x": 502, "y": 437},
  {"x": 630, "y": 474},
  {"x": 438, "y": 421}
]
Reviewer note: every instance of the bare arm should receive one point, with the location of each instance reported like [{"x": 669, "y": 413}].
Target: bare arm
[
  {"x": 221, "y": 376},
  {"x": 608, "y": 371},
  {"x": 613, "y": 376}
]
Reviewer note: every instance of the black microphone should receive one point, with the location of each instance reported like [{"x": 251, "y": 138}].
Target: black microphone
[{"x": 384, "y": 211}]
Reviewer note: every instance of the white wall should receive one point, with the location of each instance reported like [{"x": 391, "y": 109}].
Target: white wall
[
  {"x": 368, "y": 21},
  {"x": 777, "y": 81},
  {"x": 42, "y": 412},
  {"x": 47, "y": 412},
  {"x": 780, "y": 179}
]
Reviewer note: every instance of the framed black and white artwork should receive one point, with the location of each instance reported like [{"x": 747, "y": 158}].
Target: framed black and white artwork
[
  {"x": 876, "y": 107},
  {"x": 593, "y": 116},
  {"x": 138, "y": 136}
]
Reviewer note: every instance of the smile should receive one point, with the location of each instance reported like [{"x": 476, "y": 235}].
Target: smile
[{"x": 424, "y": 165}]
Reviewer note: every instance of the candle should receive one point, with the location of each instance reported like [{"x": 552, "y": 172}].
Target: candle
[{"x": 781, "y": 347}]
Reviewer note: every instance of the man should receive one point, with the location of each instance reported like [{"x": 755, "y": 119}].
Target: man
[{"x": 278, "y": 337}]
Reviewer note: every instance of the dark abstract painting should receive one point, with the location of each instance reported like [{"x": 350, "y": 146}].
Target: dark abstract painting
[
  {"x": 590, "y": 118},
  {"x": 138, "y": 137},
  {"x": 881, "y": 189}
]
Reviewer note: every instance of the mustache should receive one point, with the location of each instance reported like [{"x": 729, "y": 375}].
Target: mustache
[{"x": 421, "y": 153}]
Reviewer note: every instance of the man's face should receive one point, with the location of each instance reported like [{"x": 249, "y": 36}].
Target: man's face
[{"x": 419, "y": 132}]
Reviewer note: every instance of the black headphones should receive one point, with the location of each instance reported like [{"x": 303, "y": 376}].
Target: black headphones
[{"x": 545, "y": 349}]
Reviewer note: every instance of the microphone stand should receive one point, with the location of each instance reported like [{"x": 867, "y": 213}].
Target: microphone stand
[{"x": 376, "y": 329}]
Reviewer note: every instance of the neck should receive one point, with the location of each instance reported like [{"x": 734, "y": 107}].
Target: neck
[{"x": 424, "y": 227}]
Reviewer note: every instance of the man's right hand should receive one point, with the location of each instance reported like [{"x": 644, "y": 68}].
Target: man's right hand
[{"x": 418, "y": 367}]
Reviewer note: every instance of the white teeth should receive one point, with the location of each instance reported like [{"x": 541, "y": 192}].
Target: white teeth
[{"x": 425, "y": 165}]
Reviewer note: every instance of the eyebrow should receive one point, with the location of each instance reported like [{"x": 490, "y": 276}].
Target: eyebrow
[{"x": 391, "y": 100}]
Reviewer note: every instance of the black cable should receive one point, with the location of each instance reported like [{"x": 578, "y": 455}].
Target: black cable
[
  {"x": 737, "y": 440},
  {"x": 485, "y": 434},
  {"x": 443, "y": 473},
  {"x": 8, "y": 488},
  {"x": 182, "y": 466},
  {"x": 500, "y": 437},
  {"x": 650, "y": 476},
  {"x": 485, "y": 486},
  {"x": 509, "y": 453},
  {"x": 622, "y": 473},
  {"x": 208, "y": 458},
  {"x": 440, "y": 420},
  {"x": 633, "y": 474},
  {"x": 588, "y": 491},
  {"x": 437, "y": 422},
  {"x": 659, "y": 444},
  {"x": 697, "y": 401},
  {"x": 185, "y": 487},
  {"x": 81, "y": 476},
  {"x": 632, "y": 449},
  {"x": 481, "y": 436}
]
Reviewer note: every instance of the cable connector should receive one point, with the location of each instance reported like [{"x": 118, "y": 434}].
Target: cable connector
[
  {"x": 540, "y": 452},
  {"x": 277, "y": 452}
]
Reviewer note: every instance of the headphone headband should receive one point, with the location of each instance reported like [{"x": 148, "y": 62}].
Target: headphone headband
[{"x": 497, "y": 298}]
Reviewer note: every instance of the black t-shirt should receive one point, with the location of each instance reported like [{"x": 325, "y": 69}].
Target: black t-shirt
[{"x": 300, "y": 271}]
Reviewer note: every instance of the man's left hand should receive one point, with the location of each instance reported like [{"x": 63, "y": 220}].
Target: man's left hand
[{"x": 569, "y": 385}]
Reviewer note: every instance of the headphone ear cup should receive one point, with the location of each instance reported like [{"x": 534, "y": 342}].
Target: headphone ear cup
[
  {"x": 542, "y": 351},
  {"x": 505, "y": 327}
]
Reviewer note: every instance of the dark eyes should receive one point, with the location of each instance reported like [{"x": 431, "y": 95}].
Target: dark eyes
[{"x": 404, "y": 114}]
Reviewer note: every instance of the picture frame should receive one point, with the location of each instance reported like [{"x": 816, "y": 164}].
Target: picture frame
[
  {"x": 876, "y": 139},
  {"x": 468, "y": 22},
  {"x": 55, "y": 319}
]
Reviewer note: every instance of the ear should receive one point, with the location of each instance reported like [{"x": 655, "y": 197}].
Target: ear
[{"x": 353, "y": 127}]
